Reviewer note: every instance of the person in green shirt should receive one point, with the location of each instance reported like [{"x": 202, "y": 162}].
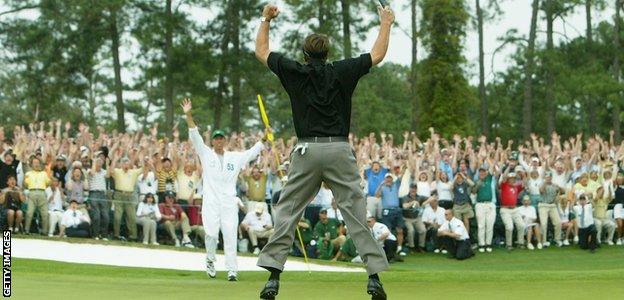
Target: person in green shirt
[
  {"x": 307, "y": 235},
  {"x": 485, "y": 208},
  {"x": 328, "y": 236},
  {"x": 347, "y": 252}
]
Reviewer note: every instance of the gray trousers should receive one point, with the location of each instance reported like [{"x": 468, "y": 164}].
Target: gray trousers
[{"x": 334, "y": 164}]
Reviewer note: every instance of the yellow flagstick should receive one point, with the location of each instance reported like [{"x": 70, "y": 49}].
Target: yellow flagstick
[{"x": 265, "y": 120}]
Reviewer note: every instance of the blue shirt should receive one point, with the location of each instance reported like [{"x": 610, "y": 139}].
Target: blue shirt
[
  {"x": 390, "y": 195},
  {"x": 446, "y": 168},
  {"x": 374, "y": 179}
]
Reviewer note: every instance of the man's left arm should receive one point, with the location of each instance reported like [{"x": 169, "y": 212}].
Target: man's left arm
[{"x": 262, "y": 37}]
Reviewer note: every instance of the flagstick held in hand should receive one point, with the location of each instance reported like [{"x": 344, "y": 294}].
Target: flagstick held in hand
[{"x": 270, "y": 138}]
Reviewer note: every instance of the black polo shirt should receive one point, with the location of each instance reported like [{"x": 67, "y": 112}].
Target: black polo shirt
[
  {"x": 6, "y": 171},
  {"x": 320, "y": 93}
]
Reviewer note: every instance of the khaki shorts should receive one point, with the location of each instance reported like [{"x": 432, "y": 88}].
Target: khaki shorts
[{"x": 464, "y": 210}]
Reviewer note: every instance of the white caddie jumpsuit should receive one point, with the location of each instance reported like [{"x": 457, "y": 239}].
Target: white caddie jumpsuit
[{"x": 220, "y": 204}]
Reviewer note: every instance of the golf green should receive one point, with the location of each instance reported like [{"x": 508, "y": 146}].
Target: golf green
[{"x": 554, "y": 273}]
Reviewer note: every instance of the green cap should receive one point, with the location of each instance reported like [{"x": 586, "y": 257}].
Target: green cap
[{"x": 217, "y": 133}]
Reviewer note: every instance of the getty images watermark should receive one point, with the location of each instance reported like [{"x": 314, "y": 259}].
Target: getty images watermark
[{"x": 6, "y": 263}]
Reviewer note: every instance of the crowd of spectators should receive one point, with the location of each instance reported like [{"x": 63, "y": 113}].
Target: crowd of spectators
[{"x": 436, "y": 195}]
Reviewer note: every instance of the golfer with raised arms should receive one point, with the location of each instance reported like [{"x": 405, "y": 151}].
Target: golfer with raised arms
[
  {"x": 320, "y": 97},
  {"x": 220, "y": 204}
]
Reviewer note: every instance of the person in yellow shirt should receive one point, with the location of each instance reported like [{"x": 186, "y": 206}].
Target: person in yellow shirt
[
  {"x": 256, "y": 187},
  {"x": 124, "y": 198},
  {"x": 36, "y": 181},
  {"x": 584, "y": 186},
  {"x": 600, "y": 203}
]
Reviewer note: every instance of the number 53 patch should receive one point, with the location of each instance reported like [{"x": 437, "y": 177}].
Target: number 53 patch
[{"x": 230, "y": 167}]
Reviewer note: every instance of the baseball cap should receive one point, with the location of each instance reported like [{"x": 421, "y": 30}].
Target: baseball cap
[
  {"x": 323, "y": 211},
  {"x": 61, "y": 157},
  {"x": 548, "y": 174},
  {"x": 388, "y": 175},
  {"x": 514, "y": 155},
  {"x": 519, "y": 169},
  {"x": 217, "y": 133},
  {"x": 512, "y": 174},
  {"x": 535, "y": 159},
  {"x": 170, "y": 194}
]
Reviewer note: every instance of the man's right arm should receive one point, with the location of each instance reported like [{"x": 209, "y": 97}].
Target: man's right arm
[
  {"x": 383, "y": 38},
  {"x": 194, "y": 136}
]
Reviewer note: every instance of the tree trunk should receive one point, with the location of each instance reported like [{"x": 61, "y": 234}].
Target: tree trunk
[
  {"x": 119, "y": 104},
  {"x": 589, "y": 100},
  {"x": 321, "y": 16},
  {"x": 414, "y": 70},
  {"x": 346, "y": 27},
  {"x": 615, "y": 112},
  {"x": 221, "y": 88},
  {"x": 527, "y": 108},
  {"x": 551, "y": 101},
  {"x": 168, "y": 70},
  {"x": 235, "y": 69},
  {"x": 485, "y": 128}
]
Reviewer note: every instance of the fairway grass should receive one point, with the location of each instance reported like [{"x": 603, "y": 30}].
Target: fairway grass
[{"x": 567, "y": 273}]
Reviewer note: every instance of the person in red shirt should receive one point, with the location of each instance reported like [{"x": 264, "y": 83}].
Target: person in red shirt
[
  {"x": 195, "y": 218},
  {"x": 510, "y": 190},
  {"x": 173, "y": 218}
]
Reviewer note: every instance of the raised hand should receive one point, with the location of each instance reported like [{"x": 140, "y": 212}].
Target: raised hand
[
  {"x": 270, "y": 12},
  {"x": 186, "y": 105},
  {"x": 386, "y": 15}
]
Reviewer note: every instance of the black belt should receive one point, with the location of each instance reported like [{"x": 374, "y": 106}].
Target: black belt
[{"x": 322, "y": 139}]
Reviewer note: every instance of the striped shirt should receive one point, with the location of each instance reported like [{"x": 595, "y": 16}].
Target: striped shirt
[
  {"x": 166, "y": 180},
  {"x": 97, "y": 180}
]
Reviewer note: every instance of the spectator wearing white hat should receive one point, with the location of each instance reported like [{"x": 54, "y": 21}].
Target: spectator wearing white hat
[
  {"x": 510, "y": 191},
  {"x": 529, "y": 217},
  {"x": 374, "y": 177},
  {"x": 561, "y": 175},
  {"x": 125, "y": 179},
  {"x": 547, "y": 208},
  {"x": 433, "y": 218},
  {"x": 392, "y": 214},
  {"x": 532, "y": 165},
  {"x": 257, "y": 224},
  {"x": 454, "y": 236}
]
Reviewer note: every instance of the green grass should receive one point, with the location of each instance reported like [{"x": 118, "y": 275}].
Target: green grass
[{"x": 567, "y": 273}]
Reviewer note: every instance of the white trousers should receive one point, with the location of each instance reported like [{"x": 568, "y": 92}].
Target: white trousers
[
  {"x": 373, "y": 206},
  {"x": 221, "y": 215},
  {"x": 607, "y": 224},
  {"x": 55, "y": 218},
  {"x": 486, "y": 216},
  {"x": 510, "y": 217}
]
